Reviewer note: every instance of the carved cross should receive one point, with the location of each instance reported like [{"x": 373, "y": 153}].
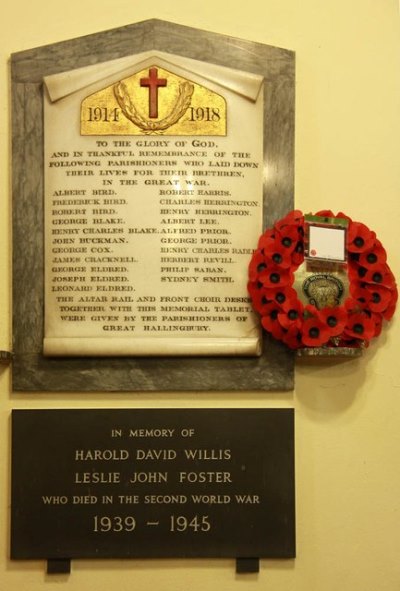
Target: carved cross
[{"x": 153, "y": 82}]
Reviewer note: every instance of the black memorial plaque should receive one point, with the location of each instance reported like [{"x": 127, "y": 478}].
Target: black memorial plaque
[{"x": 152, "y": 483}]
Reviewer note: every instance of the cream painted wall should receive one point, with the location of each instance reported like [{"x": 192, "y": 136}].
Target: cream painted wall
[{"x": 348, "y": 415}]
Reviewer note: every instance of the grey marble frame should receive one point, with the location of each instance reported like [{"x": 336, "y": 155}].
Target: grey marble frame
[{"x": 31, "y": 370}]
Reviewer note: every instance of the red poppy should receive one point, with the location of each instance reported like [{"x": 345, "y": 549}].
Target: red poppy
[
  {"x": 343, "y": 216},
  {"x": 356, "y": 272},
  {"x": 270, "y": 321},
  {"x": 292, "y": 218},
  {"x": 388, "y": 313},
  {"x": 287, "y": 237},
  {"x": 259, "y": 296},
  {"x": 372, "y": 297},
  {"x": 377, "y": 320},
  {"x": 314, "y": 333},
  {"x": 380, "y": 275},
  {"x": 310, "y": 310},
  {"x": 284, "y": 249},
  {"x": 374, "y": 256},
  {"x": 257, "y": 264},
  {"x": 274, "y": 276},
  {"x": 253, "y": 289},
  {"x": 334, "y": 319},
  {"x": 298, "y": 254},
  {"x": 352, "y": 306},
  {"x": 360, "y": 238},
  {"x": 281, "y": 294},
  {"x": 276, "y": 255},
  {"x": 360, "y": 326},
  {"x": 325, "y": 213},
  {"x": 266, "y": 239},
  {"x": 291, "y": 313},
  {"x": 292, "y": 337}
]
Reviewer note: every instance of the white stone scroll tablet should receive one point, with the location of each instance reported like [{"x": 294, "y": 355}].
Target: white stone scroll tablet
[{"x": 149, "y": 231}]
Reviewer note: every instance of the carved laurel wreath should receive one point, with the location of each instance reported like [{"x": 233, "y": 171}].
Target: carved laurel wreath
[{"x": 146, "y": 125}]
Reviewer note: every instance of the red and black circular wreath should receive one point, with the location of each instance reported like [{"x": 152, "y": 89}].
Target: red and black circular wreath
[{"x": 372, "y": 288}]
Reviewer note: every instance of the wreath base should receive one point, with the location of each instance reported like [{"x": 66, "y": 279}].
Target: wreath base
[{"x": 330, "y": 352}]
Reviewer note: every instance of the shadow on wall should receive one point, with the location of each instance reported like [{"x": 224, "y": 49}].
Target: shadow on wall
[{"x": 328, "y": 388}]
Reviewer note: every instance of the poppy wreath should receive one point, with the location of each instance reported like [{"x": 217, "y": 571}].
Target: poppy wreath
[{"x": 372, "y": 288}]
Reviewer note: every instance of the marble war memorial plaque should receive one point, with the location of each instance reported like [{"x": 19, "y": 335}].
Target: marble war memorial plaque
[{"x": 146, "y": 162}]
